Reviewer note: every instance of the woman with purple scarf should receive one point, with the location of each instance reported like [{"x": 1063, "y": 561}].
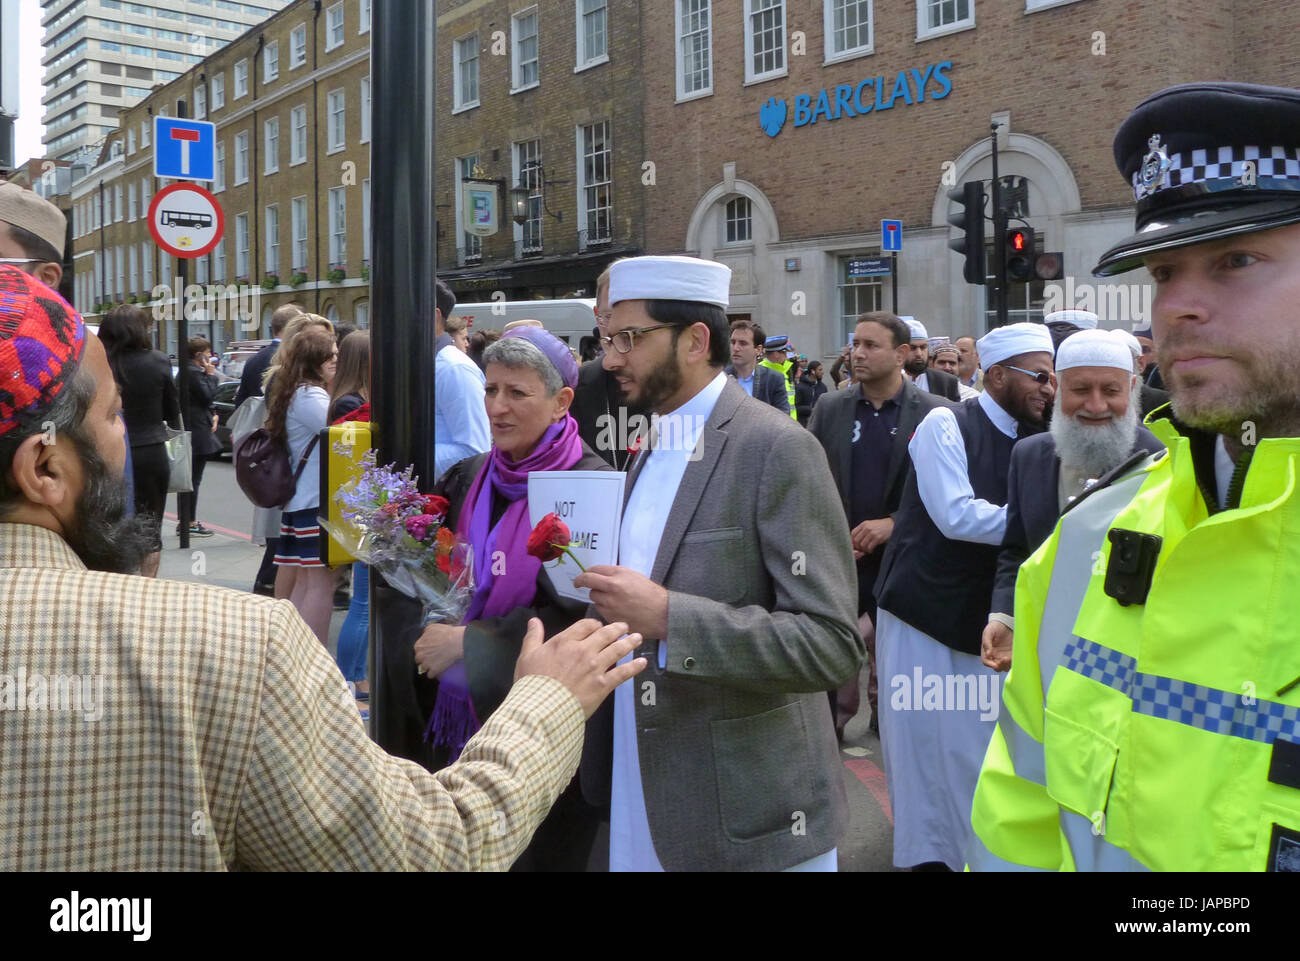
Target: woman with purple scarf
[{"x": 530, "y": 376}]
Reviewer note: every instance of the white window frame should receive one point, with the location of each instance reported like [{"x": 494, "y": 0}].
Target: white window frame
[
  {"x": 145, "y": 126},
  {"x": 241, "y": 247},
  {"x": 459, "y": 104},
  {"x": 515, "y": 65},
  {"x": 726, "y": 220},
  {"x": 271, "y": 59},
  {"x": 1033, "y": 6},
  {"x": 146, "y": 265},
  {"x": 132, "y": 269},
  {"x": 272, "y": 220},
  {"x": 342, "y": 30},
  {"x": 241, "y": 82},
  {"x": 119, "y": 208},
  {"x": 852, "y": 53},
  {"x": 201, "y": 270},
  {"x": 781, "y": 71},
  {"x": 297, "y": 32},
  {"x": 271, "y": 145},
  {"x": 924, "y": 32},
  {"x": 337, "y": 206},
  {"x": 583, "y": 185},
  {"x": 200, "y": 102},
  {"x": 219, "y": 168},
  {"x": 130, "y": 141},
  {"x": 296, "y": 158},
  {"x": 584, "y": 60},
  {"x": 341, "y": 144},
  {"x": 297, "y": 240},
  {"x": 533, "y": 181},
  {"x": 706, "y": 91},
  {"x": 218, "y": 93},
  {"x": 218, "y": 262},
  {"x": 241, "y": 139},
  {"x": 363, "y": 16},
  {"x": 364, "y": 107},
  {"x": 131, "y": 201}
]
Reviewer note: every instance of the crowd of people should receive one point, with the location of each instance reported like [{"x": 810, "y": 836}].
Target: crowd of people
[{"x": 940, "y": 513}]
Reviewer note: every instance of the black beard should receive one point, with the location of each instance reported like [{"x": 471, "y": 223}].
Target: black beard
[
  {"x": 104, "y": 537},
  {"x": 915, "y": 367},
  {"x": 660, "y": 385}
]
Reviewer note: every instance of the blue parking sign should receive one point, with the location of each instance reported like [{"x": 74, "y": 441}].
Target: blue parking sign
[{"x": 184, "y": 149}]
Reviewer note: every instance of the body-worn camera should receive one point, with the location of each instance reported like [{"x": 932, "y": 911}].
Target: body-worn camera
[{"x": 1131, "y": 565}]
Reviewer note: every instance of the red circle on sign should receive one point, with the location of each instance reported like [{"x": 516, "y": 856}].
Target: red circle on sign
[{"x": 178, "y": 251}]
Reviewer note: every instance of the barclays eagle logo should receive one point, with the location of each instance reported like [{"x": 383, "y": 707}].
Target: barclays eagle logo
[{"x": 771, "y": 116}]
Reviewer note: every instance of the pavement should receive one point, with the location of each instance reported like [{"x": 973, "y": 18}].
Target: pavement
[{"x": 229, "y": 558}]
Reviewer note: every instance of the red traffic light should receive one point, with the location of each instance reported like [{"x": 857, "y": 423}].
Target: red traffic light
[{"x": 1017, "y": 241}]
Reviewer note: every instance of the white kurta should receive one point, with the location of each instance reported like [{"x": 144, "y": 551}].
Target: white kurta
[
  {"x": 938, "y": 706},
  {"x": 644, "y": 518}
]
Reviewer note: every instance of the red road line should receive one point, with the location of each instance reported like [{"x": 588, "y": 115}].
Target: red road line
[
  {"x": 874, "y": 779},
  {"x": 220, "y": 530}
]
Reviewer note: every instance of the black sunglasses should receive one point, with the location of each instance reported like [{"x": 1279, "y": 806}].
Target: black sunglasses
[{"x": 1042, "y": 377}]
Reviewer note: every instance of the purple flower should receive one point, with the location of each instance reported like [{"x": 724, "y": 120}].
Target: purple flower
[{"x": 418, "y": 527}]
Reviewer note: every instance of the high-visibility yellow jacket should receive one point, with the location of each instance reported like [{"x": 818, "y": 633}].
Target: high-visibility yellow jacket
[
  {"x": 1163, "y": 735},
  {"x": 784, "y": 371}
]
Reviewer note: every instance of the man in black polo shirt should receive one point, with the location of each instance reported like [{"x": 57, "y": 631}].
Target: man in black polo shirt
[{"x": 864, "y": 431}]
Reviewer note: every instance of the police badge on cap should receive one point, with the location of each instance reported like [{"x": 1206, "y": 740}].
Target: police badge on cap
[{"x": 1207, "y": 161}]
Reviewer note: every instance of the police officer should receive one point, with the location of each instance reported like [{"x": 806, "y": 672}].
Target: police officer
[{"x": 1152, "y": 715}]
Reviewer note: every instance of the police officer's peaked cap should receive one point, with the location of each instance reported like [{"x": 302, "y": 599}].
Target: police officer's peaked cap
[
  {"x": 779, "y": 342},
  {"x": 1207, "y": 161}
]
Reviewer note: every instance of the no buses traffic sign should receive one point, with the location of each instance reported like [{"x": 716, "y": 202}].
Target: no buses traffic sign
[{"x": 186, "y": 220}]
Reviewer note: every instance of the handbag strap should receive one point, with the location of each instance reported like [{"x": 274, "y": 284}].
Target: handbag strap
[{"x": 302, "y": 461}]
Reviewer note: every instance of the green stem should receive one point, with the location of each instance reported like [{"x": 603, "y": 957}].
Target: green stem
[{"x": 566, "y": 550}]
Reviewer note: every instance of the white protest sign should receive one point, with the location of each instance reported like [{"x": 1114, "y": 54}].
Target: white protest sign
[{"x": 591, "y": 504}]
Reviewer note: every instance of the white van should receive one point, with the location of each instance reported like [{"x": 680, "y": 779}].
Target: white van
[{"x": 570, "y": 320}]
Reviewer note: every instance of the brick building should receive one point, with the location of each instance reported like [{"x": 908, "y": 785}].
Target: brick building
[
  {"x": 886, "y": 105},
  {"x": 291, "y": 101},
  {"x": 548, "y": 97}
]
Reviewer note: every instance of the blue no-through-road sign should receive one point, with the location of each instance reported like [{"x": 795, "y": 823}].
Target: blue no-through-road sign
[
  {"x": 891, "y": 235},
  {"x": 184, "y": 149}
]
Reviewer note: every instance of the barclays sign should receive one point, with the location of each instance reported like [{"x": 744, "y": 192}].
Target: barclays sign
[{"x": 852, "y": 100}]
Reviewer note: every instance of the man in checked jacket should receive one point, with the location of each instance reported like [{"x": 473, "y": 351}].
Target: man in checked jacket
[{"x": 155, "y": 725}]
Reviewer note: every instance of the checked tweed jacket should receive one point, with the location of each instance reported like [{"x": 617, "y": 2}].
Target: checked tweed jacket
[{"x": 228, "y": 739}]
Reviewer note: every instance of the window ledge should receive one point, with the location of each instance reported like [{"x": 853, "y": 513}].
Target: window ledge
[
  {"x": 851, "y": 55},
  {"x": 333, "y": 150},
  {"x": 295, "y": 66},
  {"x": 531, "y": 86},
  {"x": 297, "y": 163},
  {"x": 466, "y": 106},
  {"x": 267, "y": 173},
  {"x": 604, "y": 58},
  {"x": 1033, "y": 6},
  {"x": 945, "y": 31},
  {"x": 697, "y": 95},
  {"x": 766, "y": 77}
]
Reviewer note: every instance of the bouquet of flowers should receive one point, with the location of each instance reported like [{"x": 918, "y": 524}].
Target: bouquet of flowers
[{"x": 390, "y": 525}]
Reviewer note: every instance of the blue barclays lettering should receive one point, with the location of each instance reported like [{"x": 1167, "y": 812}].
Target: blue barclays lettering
[
  {"x": 857, "y": 96},
  {"x": 900, "y": 86},
  {"x": 921, "y": 79},
  {"x": 880, "y": 93},
  {"x": 843, "y": 94},
  {"x": 801, "y": 112},
  {"x": 944, "y": 82},
  {"x": 823, "y": 107}
]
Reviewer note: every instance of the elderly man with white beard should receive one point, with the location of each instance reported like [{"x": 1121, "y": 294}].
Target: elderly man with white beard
[{"x": 1094, "y": 430}]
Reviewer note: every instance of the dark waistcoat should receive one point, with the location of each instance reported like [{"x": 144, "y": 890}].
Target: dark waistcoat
[{"x": 939, "y": 586}]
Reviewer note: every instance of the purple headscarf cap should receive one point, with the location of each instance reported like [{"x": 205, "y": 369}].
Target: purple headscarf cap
[{"x": 556, "y": 352}]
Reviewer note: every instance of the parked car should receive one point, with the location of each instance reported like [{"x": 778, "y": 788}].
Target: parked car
[
  {"x": 237, "y": 354},
  {"x": 224, "y": 404}
]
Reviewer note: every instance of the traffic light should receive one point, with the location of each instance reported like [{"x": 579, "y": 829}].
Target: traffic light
[
  {"x": 970, "y": 218},
  {"x": 1020, "y": 255}
]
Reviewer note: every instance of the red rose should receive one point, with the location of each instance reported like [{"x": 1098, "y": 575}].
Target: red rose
[
  {"x": 548, "y": 539},
  {"x": 435, "y": 505},
  {"x": 444, "y": 563}
]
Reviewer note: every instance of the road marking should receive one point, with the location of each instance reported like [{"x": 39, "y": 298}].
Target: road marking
[
  {"x": 214, "y": 527},
  {"x": 874, "y": 779}
]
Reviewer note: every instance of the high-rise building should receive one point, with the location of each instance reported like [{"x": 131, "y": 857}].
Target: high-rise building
[
  {"x": 103, "y": 56},
  {"x": 8, "y": 82}
]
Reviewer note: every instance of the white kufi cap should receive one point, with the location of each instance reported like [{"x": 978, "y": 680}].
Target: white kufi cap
[
  {"x": 916, "y": 327},
  {"x": 1134, "y": 345},
  {"x": 670, "y": 278},
  {"x": 1083, "y": 319},
  {"x": 1003, "y": 343},
  {"x": 1094, "y": 348}
]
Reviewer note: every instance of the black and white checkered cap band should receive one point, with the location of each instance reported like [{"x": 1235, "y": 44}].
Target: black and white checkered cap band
[{"x": 1222, "y": 164}]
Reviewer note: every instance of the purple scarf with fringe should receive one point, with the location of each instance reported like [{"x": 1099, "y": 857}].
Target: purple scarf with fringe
[{"x": 454, "y": 722}]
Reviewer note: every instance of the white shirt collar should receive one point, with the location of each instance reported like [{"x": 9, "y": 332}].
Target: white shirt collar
[
  {"x": 1001, "y": 419},
  {"x": 687, "y": 421}
]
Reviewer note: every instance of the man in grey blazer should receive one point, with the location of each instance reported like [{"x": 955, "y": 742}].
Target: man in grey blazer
[
  {"x": 759, "y": 382},
  {"x": 864, "y": 431},
  {"x": 737, "y": 569}
]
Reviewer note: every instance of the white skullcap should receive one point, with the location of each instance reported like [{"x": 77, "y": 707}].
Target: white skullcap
[
  {"x": 1094, "y": 348},
  {"x": 1003, "y": 343},
  {"x": 1083, "y": 319},
  {"x": 670, "y": 278},
  {"x": 1134, "y": 345},
  {"x": 916, "y": 327}
]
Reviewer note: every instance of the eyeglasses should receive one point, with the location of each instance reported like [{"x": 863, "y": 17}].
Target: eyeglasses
[
  {"x": 1042, "y": 377},
  {"x": 625, "y": 340},
  {"x": 20, "y": 260}
]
